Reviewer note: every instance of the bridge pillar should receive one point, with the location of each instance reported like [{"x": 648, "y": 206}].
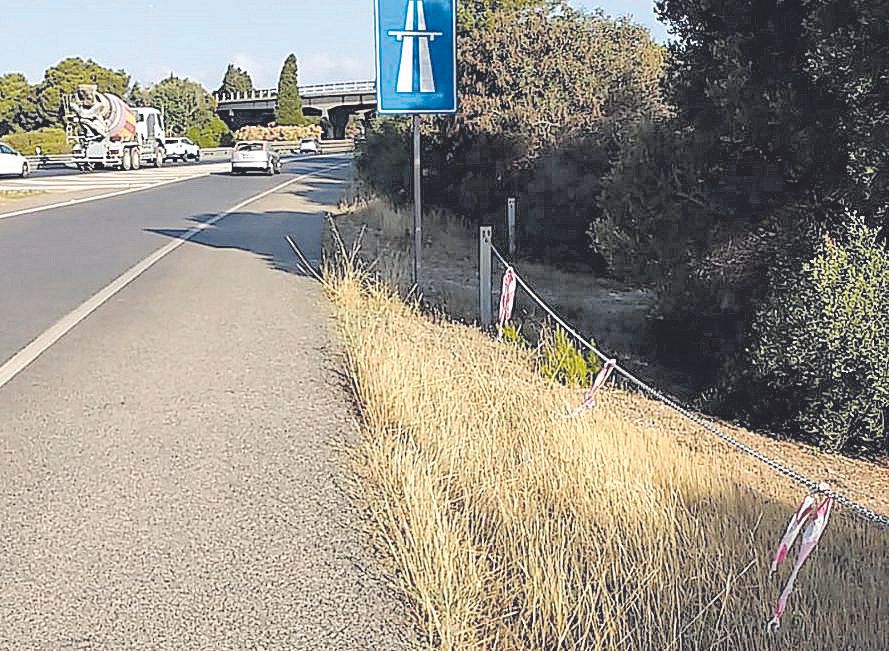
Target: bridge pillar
[
  {"x": 339, "y": 118},
  {"x": 326, "y": 125}
]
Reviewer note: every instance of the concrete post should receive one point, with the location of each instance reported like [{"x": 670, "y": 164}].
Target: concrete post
[
  {"x": 484, "y": 276},
  {"x": 510, "y": 224},
  {"x": 418, "y": 205}
]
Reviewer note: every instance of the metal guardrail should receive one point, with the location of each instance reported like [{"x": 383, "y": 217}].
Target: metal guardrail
[
  {"x": 316, "y": 90},
  {"x": 43, "y": 162},
  {"x": 327, "y": 146}
]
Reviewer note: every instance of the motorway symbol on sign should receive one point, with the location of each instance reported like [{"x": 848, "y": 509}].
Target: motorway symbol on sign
[{"x": 416, "y": 56}]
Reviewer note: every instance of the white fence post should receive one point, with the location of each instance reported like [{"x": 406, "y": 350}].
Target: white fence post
[
  {"x": 484, "y": 276},
  {"x": 510, "y": 224}
]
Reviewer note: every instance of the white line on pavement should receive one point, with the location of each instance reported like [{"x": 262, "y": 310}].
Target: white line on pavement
[
  {"x": 18, "y": 362},
  {"x": 72, "y": 202}
]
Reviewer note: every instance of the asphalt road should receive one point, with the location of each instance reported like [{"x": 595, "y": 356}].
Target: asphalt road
[
  {"x": 52, "y": 261},
  {"x": 171, "y": 468}
]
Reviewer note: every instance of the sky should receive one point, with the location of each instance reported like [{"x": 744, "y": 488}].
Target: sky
[{"x": 332, "y": 39}]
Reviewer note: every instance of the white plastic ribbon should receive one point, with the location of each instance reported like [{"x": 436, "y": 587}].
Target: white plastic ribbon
[
  {"x": 589, "y": 398},
  {"x": 507, "y": 297},
  {"x": 813, "y": 514}
]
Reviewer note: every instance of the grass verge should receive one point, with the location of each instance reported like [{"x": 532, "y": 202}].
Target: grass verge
[
  {"x": 14, "y": 195},
  {"x": 511, "y": 526}
]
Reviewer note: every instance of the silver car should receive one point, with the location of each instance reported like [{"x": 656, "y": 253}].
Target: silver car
[
  {"x": 255, "y": 155},
  {"x": 309, "y": 146}
]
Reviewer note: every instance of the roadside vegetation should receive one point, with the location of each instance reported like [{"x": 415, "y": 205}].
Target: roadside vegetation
[
  {"x": 13, "y": 195},
  {"x": 708, "y": 173},
  {"x": 512, "y": 526}
]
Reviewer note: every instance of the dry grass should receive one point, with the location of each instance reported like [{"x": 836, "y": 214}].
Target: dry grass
[
  {"x": 513, "y": 527},
  {"x": 13, "y": 195},
  {"x": 450, "y": 259}
]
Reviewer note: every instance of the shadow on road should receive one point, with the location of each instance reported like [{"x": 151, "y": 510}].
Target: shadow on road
[{"x": 264, "y": 233}]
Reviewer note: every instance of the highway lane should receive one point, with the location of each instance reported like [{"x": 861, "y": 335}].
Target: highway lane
[
  {"x": 52, "y": 261},
  {"x": 172, "y": 472}
]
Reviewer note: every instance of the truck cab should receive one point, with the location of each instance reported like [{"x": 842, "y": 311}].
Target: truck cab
[{"x": 150, "y": 126}]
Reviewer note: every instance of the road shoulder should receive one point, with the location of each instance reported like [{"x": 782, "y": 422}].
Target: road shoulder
[{"x": 175, "y": 471}]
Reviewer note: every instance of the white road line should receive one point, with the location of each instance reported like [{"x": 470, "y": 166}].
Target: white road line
[
  {"x": 18, "y": 362},
  {"x": 128, "y": 190}
]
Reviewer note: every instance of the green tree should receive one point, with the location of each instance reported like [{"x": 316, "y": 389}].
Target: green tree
[
  {"x": 17, "y": 110},
  {"x": 235, "y": 80},
  {"x": 65, "y": 76},
  {"x": 533, "y": 124},
  {"x": 819, "y": 359},
  {"x": 186, "y": 104},
  {"x": 137, "y": 95},
  {"x": 289, "y": 109},
  {"x": 473, "y": 14},
  {"x": 214, "y": 134}
]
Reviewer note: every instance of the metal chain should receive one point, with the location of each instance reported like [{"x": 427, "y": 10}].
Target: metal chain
[{"x": 858, "y": 509}]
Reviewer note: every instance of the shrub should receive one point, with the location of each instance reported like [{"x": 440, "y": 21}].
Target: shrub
[
  {"x": 214, "y": 134},
  {"x": 820, "y": 356},
  {"x": 561, "y": 361},
  {"x": 384, "y": 158},
  {"x": 511, "y": 334},
  {"x": 278, "y": 133},
  {"x": 51, "y": 141}
]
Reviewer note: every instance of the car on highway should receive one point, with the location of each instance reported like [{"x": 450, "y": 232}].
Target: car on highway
[
  {"x": 12, "y": 162},
  {"x": 257, "y": 156},
  {"x": 181, "y": 149},
  {"x": 309, "y": 146}
]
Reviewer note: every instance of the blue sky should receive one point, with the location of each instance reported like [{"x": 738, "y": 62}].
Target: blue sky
[{"x": 333, "y": 39}]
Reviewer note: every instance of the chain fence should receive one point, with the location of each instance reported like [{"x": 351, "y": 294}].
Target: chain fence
[{"x": 811, "y": 485}]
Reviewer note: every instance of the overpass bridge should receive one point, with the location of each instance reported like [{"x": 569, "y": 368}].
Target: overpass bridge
[{"x": 333, "y": 103}]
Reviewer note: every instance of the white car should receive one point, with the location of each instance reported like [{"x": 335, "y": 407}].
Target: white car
[
  {"x": 181, "y": 149},
  {"x": 256, "y": 155},
  {"x": 309, "y": 146},
  {"x": 12, "y": 162}
]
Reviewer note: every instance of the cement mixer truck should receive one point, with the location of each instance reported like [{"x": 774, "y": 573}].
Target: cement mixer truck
[{"x": 105, "y": 132}]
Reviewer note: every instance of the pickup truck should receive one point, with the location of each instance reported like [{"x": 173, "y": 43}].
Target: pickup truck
[{"x": 182, "y": 149}]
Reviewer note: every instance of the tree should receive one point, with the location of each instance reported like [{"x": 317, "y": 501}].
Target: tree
[
  {"x": 186, "y": 104},
  {"x": 235, "y": 81},
  {"x": 534, "y": 124},
  {"x": 64, "y": 77},
  {"x": 17, "y": 110},
  {"x": 780, "y": 131},
  {"x": 473, "y": 14},
  {"x": 289, "y": 109},
  {"x": 137, "y": 95}
]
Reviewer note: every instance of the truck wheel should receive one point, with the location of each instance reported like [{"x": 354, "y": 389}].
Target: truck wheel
[
  {"x": 136, "y": 159},
  {"x": 159, "y": 157},
  {"x": 126, "y": 162}
]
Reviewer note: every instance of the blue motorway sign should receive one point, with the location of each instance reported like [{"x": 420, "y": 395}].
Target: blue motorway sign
[{"x": 416, "y": 56}]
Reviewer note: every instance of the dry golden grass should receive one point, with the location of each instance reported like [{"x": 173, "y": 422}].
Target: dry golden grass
[
  {"x": 13, "y": 195},
  {"x": 450, "y": 261},
  {"x": 511, "y": 526}
]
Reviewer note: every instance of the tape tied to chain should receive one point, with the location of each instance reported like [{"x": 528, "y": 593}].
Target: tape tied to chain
[
  {"x": 813, "y": 514},
  {"x": 507, "y": 298},
  {"x": 589, "y": 398}
]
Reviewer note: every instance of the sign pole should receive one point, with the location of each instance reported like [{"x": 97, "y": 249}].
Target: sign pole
[
  {"x": 418, "y": 205},
  {"x": 416, "y": 47}
]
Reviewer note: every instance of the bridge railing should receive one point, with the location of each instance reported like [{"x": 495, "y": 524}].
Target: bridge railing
[{"x": 316, "y": 90}]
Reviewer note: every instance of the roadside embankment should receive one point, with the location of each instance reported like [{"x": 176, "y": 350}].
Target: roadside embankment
[{"x": 514, "y": 526}]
